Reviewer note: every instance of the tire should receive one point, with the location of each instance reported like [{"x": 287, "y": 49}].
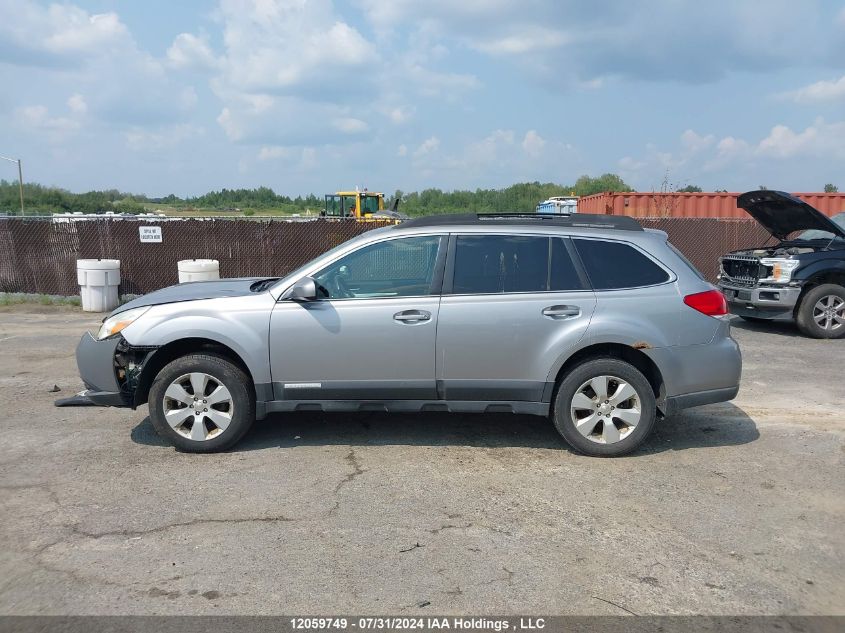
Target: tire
[
  {"x": 604, "y": 442},
  {"x": 821, "y": 313},
  {"x": 224, "y": 415}
]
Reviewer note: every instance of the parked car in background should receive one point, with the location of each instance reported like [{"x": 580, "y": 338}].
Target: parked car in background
[
  {"x": 801, "y": 278},
  {"x": 591, "y": 320}
]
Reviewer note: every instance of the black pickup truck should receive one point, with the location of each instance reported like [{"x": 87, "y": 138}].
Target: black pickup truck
[{"x": 801, "y": 278}]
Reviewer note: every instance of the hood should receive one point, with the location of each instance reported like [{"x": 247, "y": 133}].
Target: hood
[
  {"x": 194, "y": 290},
  {"x": 781, "y": 213}
]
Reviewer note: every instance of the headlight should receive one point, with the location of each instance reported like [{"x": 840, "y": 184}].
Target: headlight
[
  {"x": 116, "y": 323},
  {"x": 781, "y": 269}
]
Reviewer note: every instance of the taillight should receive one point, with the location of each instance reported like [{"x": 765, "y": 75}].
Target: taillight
[{"x": 712, "y": 303}]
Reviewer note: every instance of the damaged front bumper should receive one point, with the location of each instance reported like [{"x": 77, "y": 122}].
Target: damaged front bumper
[
  {"x": 764, "y": 302},
  {"x": 110, "y": 369}
]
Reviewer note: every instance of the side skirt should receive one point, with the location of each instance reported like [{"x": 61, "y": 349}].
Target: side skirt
[{"x": 403, "y": 406}]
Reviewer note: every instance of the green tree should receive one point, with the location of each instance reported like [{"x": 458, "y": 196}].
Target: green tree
[
  {"x": 586, "y": 186},
  {"x": 690, "y": 189},
  {"x": 831, "y": 188}
]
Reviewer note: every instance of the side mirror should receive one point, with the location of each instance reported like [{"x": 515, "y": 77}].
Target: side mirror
[{"x": 304, "y": 290}]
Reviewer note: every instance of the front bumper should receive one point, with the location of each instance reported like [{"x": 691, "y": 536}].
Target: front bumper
[
  {"x": 764, "y": 302},
  {"x": 98, "y": 370}
]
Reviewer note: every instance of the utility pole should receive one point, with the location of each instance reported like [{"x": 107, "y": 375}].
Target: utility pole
[{"x": 20, "y": 177}]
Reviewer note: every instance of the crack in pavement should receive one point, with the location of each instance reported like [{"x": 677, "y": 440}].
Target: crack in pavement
[
  {"x": 351, "y": 459},
  {"x": 76, "y": 530}
]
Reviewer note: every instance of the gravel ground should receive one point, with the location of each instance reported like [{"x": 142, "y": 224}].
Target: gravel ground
[{"x": 730, "y": 509}]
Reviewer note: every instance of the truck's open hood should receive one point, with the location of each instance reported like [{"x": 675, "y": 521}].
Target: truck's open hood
[
  {"x": 192, "y": 291},
  {"x": 781, "y": 213}
]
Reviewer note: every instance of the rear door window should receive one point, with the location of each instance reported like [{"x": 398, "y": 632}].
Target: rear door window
[
  {"x": 615, "y": 265},
  {"x": 495, "y": 264}
]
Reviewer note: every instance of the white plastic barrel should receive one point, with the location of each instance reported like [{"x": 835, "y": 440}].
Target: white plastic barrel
[
  {"x": 98, "y": 281},
  {"x": 198, "y": 270}
]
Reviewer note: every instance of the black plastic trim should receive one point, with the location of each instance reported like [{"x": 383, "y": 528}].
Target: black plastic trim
[
  {"x": 492, "y": 390},
  {"x": 439, "y": 266},
  {"x": 409, "y": 406},
  {"x": 699, "y": 398}
]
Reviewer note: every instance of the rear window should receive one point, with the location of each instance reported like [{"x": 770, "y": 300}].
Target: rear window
[{"x": 614, "y": 265}]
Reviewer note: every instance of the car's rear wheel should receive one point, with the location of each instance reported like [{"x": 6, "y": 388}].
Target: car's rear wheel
[
  {"x": 821, "y": 313},
  {"x": 604, "y": 407},
  {"x": 202, "y": 403}
]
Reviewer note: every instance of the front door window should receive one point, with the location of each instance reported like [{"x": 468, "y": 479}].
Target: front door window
[{"x": 393, "y": 268}]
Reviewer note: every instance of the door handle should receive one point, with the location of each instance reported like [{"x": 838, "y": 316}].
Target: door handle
[
  {"x": 412, "y": 316},
  {"x": 562, "y": 312}
]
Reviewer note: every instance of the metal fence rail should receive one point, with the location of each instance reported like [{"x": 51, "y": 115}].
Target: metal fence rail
[{"x": 38, "y": 255}]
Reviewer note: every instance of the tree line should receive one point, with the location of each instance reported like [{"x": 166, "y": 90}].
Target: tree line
[{"x": 521, "y": 197}]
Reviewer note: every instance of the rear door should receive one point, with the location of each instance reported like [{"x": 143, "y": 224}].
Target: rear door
[{"x": 511, "y": 306}]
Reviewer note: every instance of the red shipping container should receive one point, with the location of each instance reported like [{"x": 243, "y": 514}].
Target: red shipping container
[{"x": 690, "y": 205}]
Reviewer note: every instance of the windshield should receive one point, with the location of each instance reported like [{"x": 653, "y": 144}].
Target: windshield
[{"x": 816, "y": 234}]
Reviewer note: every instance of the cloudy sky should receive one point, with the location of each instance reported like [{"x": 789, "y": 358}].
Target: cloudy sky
[{"x": 316, "y": 95}]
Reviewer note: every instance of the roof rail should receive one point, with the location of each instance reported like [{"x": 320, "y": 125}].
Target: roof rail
[{"x": 575, "y": 220}]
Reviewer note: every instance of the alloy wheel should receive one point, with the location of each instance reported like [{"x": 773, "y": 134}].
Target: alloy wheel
[
  {"x": 198, "y": 406},
  {"x": 606, "y": 409},
  {"x": 829, "y": 312}
]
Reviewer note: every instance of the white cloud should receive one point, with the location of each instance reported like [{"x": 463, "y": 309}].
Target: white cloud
[
  {"x": 77, "y": 104},
  {"x": 819, "y": 92},
  {"x": 734, "y": 159},
  {"x": 528, "y": 40},
  {"x": 400, "y": 114},
  {"x": 402, "y": 150},
  {"x": 826, "y": 140},
  {"x": 428, "y": 146},
  {"x": 191, "y": 52},
  {"x": 567, "y": 40},
  {"x": 165, "y": 137},
  {"x": 230, "y": 126},
  {"x": 287, "y": 45},
  {"x": 533, "y": 143},
  {"x": 273, "y": 152},
  {"x": 694, "y": 142},
  {"x": 350, "y": 125},
  {"x": 38, "y": 119},
  {"x": 59, "y": 35}
]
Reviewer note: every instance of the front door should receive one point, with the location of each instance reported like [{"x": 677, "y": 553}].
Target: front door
[{"x": 371, "y": 335}]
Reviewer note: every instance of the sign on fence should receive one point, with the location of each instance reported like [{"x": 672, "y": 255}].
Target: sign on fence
[{"x": 150, "y": 233}]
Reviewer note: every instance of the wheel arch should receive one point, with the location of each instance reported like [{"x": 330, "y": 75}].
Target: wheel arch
[
  {"x": 834, "y": 276},
  {"x": 159, "y": 358},
  {"x": 619, "y": 351}
]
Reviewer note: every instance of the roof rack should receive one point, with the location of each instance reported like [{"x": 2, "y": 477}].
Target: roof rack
[{"x": 575, "y": 220}]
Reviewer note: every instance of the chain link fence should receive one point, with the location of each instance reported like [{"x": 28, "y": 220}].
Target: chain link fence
[{"x": 38, "y": 255}]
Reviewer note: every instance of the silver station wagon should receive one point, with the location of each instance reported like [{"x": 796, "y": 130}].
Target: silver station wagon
[{"x": 590, "y": 320}]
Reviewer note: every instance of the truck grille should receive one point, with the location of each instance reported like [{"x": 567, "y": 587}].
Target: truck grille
[{"x": 743, "y": 270}]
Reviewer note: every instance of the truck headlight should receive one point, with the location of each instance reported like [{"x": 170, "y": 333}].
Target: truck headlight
[
  {"x": 782, "y": 269},
  {"x": 117, "y": 322}
]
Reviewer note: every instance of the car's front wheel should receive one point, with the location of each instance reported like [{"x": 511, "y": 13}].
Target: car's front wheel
[
  {"x": 202, "y": 403},
  {"x": 605, "y": 407}
]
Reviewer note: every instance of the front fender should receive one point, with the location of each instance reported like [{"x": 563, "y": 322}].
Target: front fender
[
  {"x": 820, "y": 268},
  {"x": 240, "y": 323}
]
